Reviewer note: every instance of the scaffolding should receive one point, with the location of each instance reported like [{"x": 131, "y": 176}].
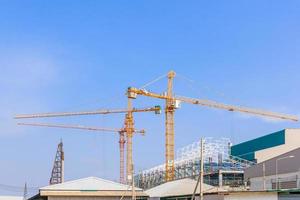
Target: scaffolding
[{"x": 220, "y": 167}]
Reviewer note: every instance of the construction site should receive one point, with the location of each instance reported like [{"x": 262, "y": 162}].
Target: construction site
[
  {"x": 149, "y": 100},
  {"x": 206, "y": 169}
]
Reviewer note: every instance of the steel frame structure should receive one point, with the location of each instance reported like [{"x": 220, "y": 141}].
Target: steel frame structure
[
  {"x": 57, "y": 174},
  {"x": 187, "y": 163}
]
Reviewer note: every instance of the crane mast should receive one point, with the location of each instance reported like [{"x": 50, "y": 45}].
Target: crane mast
[
  {"x": 129, "y": 124},
  {"x": 169, "y": 132},
  {"x": 121, "y": 148}
]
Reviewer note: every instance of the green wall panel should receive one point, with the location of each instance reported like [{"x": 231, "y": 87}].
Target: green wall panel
[{"x": 247, "y": 149}]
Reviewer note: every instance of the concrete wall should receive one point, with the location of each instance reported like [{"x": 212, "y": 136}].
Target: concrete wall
[
  {"x": 257, "y": 183},
  {"x": 87, "y": 198},
  {"x": 289, "y": 197},
  {"x": 284, "y": 166},
  {"x": 214, "y": 197},
  {"x": 243, "y": 196},
  {"x": 154, "y": 198},
  {"x": 251, "y": 196},
  {"x": 291, "y": 143}
]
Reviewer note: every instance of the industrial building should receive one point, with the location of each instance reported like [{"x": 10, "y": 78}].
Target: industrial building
[
  {"x": 268, "y": 146},
  {"x": 279, "y": 173},
  {"x": 224, "y": 165},
  {"x": 91, "y": 188}
]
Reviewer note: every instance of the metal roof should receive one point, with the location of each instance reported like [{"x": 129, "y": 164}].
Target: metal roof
[
  {"x": 88, "y": 184},
  {"x": 11, "y": 198},
  {"x": 180, "y": 187}
]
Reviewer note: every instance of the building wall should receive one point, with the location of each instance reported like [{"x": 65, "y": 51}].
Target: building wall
[
  {"x": 231, "y": 196},
  {"x": 213, "y": 197},
  {"x": 87, "y": 198},
  {"x": 291, "y": 143},
  {"x": 205, "y": 197},
  {"x": 154, "y": 198},
  {"x": 252, "y": 196},
  {"x": 289, "y": 196},
  {"x": 284, "y": 166},
  {"x": 257, "y": 183},
  {"x": 247, "y": 149}
]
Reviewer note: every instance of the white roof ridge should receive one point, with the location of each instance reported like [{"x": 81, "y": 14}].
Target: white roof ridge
[
  {"x": 68, "y": 182},
  {"x": 88, "y": 180},
  {"x": 108, "y": 181}
]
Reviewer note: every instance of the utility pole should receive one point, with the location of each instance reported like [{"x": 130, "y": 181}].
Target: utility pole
[
  {"x": 264, "y": 175},
  {"x": 132, "y": 181},
  {"x": 25, "y": 192},
  {"x": 201, "y": 168},
  {"x": 200, "y": 177}
]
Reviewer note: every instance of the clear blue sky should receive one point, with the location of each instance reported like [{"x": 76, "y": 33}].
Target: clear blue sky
[{"x": 81, "y": 55}]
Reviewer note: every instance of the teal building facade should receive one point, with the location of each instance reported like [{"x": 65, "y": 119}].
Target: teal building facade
[{"x": 246, "y": 150}]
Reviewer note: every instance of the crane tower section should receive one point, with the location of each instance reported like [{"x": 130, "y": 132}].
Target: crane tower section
[{"x": 57, "y": 174}]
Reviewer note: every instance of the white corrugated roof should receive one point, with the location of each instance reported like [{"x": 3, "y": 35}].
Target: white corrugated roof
[
  {"x": 11, "y": 198},
  {"x": 178, "y": 188},
  {"x": 88, "y": 184}
]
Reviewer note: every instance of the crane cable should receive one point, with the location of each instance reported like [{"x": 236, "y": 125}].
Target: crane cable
[
  {"x": 153, "y": 81},
  {"x": 197, "y": 89}
]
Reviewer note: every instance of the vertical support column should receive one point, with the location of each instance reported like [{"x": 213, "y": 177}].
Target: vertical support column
[
  {"x": 264, "y": 175},
  {"x": 297, "y": 180},
  {"x": 129, "y": 130},
  {"x": 25, "y": 194},
  {"x": 62, "y": 163},
  {"x": 122, "y": 145},
  {"x": 220, "y": 178},
  {"x": 201, "y": 169},
  {"x": 169, "y": 112},
  {"x": 133, "y": 187},
  {"x": 210, "y": 164},
  {"x": 200, "y": 177}
]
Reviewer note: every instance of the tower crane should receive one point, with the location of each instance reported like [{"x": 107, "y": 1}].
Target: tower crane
[
  {"x": 57, "y": 174},
  {"x": 172, "y": 103},
  {"x": 128, "y": 130},
  {"x": 121, "y": 132}
]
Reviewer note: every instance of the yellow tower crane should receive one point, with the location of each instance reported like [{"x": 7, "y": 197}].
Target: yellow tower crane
[
  {"x": 172, "y": 103},
  {"x": 129, "y": 130}
]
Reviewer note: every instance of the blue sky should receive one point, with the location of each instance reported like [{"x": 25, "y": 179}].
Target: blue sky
[{"x": 82, "y": 55}]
